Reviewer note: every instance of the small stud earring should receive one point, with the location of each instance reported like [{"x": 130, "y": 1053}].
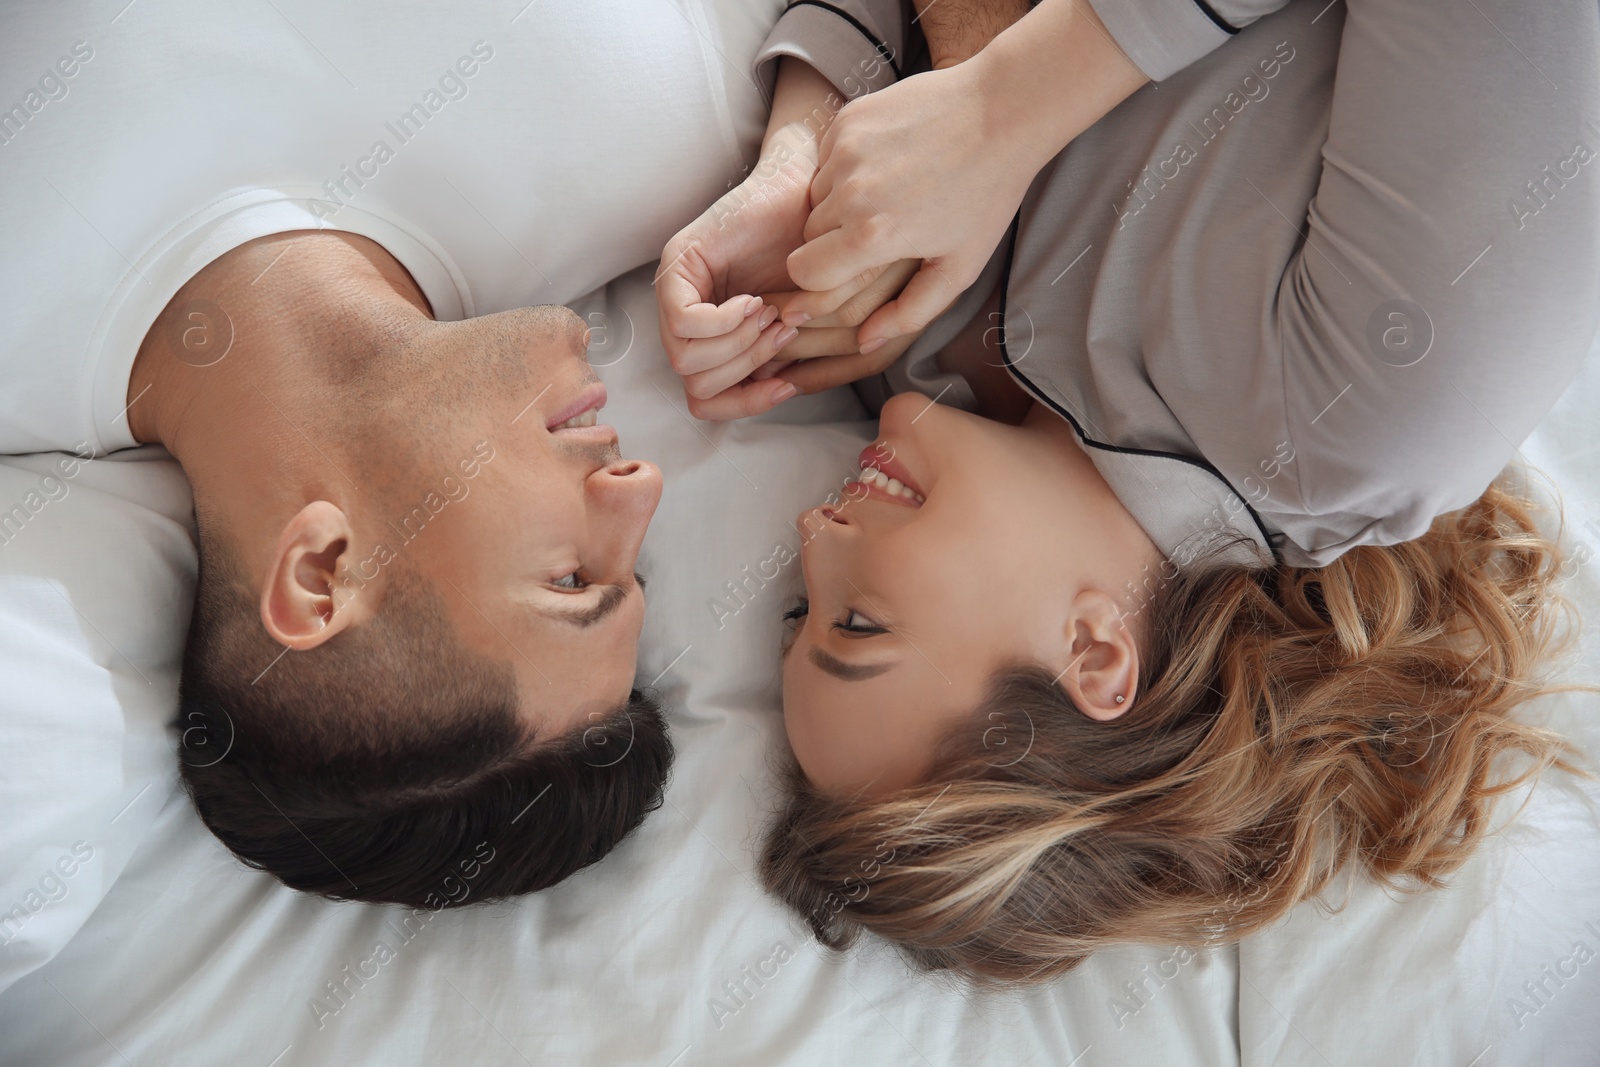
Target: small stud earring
[{"x": 1120, "y": 698}]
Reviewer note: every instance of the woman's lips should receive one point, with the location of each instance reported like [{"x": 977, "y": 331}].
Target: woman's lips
[
  {"x": 880, "y": 457},
  {"x": 865, "y": 490}
]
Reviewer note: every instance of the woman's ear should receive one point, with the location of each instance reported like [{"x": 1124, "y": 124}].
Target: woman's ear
[
  {"x": 298, "y": 603},
  {"x": 1102, "y": 677}
]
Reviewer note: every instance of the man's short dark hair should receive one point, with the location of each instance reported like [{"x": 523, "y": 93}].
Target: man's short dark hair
[{"x": 389, "y": 764}]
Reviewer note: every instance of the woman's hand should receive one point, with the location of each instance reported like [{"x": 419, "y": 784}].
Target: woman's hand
[
  {"x": 935, "y": 166},
  {"x": 918, "y": 170},
  {"x": 723, "y": 283},
  {"x": 714, "y": 324},
  {"x": 724, "y": 278},
  {"x": 825, "y": 354}
]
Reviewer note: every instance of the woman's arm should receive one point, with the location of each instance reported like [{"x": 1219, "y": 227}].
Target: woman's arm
[
  {"x": 714, "y": 325},
  {"x": 803, "y": 104},
  {"x": 1448, "y": 285},
  {"x": 713, "y": 268}
]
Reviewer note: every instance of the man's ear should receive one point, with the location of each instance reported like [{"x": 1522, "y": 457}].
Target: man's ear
[
  {"x": 1102, "y": 677},
  {"x": 298, "y": 605}
]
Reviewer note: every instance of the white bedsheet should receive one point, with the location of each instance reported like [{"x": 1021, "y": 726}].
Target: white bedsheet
[
  {"x": 192, "y": 959},
  {"x": 1504, "y": 967}
]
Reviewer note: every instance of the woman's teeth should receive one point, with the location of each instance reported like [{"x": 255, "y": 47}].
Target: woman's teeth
[
  {"x": 587, "y": 418},
  {"x": 892, "y": 486}
]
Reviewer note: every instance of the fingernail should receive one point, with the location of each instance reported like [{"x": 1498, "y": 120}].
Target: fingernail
[
  {"x": 767, "y": 316},
  {"x": 797, "y": 318},
  {"x": 785, "y": 335},
  {"x": 783, "y": 392},
  {"x": 872, "y": 346},
  {"x": 752, "y": 306}
]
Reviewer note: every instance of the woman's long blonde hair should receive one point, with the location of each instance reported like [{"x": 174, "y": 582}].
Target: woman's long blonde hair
[{"x": 1290, "y": 722}]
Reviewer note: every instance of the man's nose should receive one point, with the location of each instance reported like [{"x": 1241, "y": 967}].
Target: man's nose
[
  {"x": 627, "y": 485},
  {"x": 622, "y": 497}
]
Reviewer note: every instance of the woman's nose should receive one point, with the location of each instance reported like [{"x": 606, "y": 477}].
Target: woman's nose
[
  {"x": 814, "y": 521},
  {"x": 900, "y": 412}
]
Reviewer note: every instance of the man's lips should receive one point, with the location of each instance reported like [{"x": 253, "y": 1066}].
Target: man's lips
[{"x": 582, "y": 411}]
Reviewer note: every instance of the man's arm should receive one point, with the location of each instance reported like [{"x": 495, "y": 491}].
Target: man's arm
[{"x": 957, "y": 30}]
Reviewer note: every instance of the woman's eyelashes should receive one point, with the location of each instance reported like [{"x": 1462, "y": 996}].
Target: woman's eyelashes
[{"x": 854, "y": 624}]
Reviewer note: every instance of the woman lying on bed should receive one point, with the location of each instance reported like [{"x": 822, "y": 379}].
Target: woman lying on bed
[{"x": 1212, "y": 589}]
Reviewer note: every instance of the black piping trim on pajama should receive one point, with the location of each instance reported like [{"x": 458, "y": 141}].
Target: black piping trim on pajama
[
  {"x": 1221, "y": 23},
  {"x": 1217, "y": 20},
  {"x": 882, "y": 48},
  {"x": 1039, "y": 395}
]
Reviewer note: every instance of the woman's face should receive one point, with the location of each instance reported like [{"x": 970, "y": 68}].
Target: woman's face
[{"x": 1006, "y": 546}]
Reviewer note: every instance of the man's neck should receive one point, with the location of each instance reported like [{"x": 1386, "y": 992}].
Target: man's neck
[{"x": 238, "y": 330}]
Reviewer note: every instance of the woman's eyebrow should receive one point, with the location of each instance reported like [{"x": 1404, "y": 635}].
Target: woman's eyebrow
[{"x": 847, "y": 672}]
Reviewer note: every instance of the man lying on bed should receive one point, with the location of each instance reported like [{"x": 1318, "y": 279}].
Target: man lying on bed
[
  {"x": 417, "y": 614},
  {"x": 413, "y": 643}
]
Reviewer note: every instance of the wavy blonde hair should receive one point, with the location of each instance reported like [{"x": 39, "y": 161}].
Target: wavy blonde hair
[{"x": 1290, "y": 722}]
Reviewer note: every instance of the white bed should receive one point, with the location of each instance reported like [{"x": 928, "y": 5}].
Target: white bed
[{"x": 161, "y": 949}]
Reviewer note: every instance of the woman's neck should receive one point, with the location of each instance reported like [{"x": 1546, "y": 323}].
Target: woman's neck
[{"x": 975, "y": 354}]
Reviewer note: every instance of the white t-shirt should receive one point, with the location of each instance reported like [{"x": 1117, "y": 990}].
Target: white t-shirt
[{"x": 506, "y": 153}]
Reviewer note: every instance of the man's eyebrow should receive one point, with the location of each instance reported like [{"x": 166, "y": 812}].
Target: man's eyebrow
[
  {"x": 610, "y": 600},
  {"x": 847, "y": 672}
]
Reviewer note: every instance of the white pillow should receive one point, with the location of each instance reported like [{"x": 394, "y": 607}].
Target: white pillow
[
  {"x": 97, "y": 571},
  {"x": 97, "y": 566}
]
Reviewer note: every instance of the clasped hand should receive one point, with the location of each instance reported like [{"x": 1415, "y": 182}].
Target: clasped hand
[{"x": 826, "y": 263}]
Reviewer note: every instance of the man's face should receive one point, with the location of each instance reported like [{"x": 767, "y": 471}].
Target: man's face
[{"x": 526, "y": 518}]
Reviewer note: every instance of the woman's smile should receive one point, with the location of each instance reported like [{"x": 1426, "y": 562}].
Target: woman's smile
[{"x": 883, "y": 477}]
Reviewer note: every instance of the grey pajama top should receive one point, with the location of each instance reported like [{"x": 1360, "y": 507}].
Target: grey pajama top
[{"x": 1313, "y": 287}]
